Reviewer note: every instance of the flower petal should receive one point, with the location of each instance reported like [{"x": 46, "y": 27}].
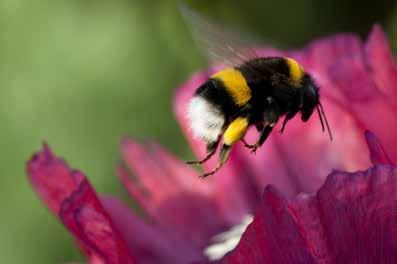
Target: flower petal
[
  {"x": 383, "y": 70},
  {"x": 52, "y": 179},
  {"x": 351, "y": 219},
  {"x": 348, "y": 74},
  {"x": 273, "y": 237},
  {"x": 381, "y": 63},
  {"x": 360, "y": 79},
  {"x": 149, "y": 243},
  {"x": 323, "y": 54},
  {"x": 171, "y": 193},
  {"x": 70, "y": 196}
]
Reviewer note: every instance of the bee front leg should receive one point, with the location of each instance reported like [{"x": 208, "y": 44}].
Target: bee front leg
[
  {"x": 262, "y": 138},
  {"x": 287, "y": 118},
  {"x": 270, "y": 118}
]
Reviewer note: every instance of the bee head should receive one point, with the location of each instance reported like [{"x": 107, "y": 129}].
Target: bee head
[{"x": 309, "y": 98}]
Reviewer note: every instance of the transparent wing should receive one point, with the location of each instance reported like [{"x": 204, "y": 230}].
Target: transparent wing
[{"x": 219, "y": 45}]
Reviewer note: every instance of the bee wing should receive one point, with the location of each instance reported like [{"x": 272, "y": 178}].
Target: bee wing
[{"x": 219, "y": 45}]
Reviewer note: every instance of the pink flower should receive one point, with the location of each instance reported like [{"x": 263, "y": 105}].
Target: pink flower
[{"x": 304, "y": 217}]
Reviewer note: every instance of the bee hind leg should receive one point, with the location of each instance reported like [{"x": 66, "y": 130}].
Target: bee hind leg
[
  {"x": 233, "y": 133},
  {"x": 223, "y": 157},
  {"x": 211, "y": 149}
]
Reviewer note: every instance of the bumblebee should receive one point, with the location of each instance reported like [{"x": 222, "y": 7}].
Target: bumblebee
[{"x": 257, "y": 92}]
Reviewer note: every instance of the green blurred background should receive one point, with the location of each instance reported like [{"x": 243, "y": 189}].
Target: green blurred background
[{"x": 81, "y": 74}]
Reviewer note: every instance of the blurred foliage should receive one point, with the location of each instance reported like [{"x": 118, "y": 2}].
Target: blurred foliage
[{"x": 82, "y": 74}]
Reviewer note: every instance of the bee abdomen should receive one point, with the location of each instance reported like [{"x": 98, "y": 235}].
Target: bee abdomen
[
  {"x": 215, "y": 93},
  {"x": 235, "y": 84}
]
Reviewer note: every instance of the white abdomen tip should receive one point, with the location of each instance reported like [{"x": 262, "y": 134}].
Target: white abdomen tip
[{"x": 206, "y": 120}]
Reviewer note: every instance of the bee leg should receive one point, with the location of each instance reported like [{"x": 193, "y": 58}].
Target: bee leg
[
  {"x": 287, "y": 118},
  {"x": 259, "y": 128},
  {"x": 211, "y": 149},
  {"x": 223, "y": 156},
  {"x": 262, "y": 137},
  {"x": 246, "y": 144},
  {"x": 270, "y": 119},
  {"x": 233, "y": 133}
]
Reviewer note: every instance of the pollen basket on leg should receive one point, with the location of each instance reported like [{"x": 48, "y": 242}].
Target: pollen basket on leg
[
  {"x": 235, "y": 131},
  {"x": 206, "y": 120}
]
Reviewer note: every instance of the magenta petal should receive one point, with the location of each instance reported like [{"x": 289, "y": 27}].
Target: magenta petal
[
  {"x": 359, "y": 213},
  {"x": 273, "y": 237},
  {"x": 323, "y": 54},
  {"x": 369, "y": 107},
  {"x": 70, "y": 196},
  {"x": 52, "y": 179},
  {"x": 361, "y": 79},
  {"x": 150, "y": 244},
  {"x": 171, "y": 193},
  {"x": 381, "y": 64},
  {"x": 351, "y": 219}
]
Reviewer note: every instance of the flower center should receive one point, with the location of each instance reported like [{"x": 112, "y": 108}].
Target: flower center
[{"x": 227, "y": 241}]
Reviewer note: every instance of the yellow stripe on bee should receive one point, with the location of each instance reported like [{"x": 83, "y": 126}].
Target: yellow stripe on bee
[
  {"x": 235, "y": 85},
  {"x": 235, "y": 131},
  {"x": 296, "y": 71}
]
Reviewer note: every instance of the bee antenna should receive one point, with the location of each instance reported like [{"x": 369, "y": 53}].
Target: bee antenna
[
  {"x": 320, "y": 117},
  {"x": 321, "y": 109}
]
